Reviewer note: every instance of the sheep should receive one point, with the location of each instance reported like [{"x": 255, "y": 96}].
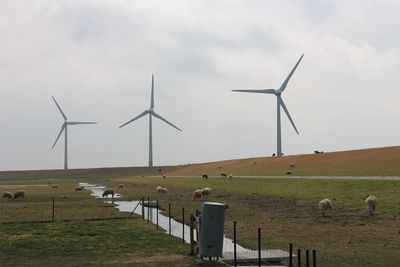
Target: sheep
[
  {"x": 288, "y": 173},
  {"x": 223, "y": 174},
  {"x": 164, "y": 176},
  {"x": 206, "y": 191},
  {"x": 161, "y": 190},
  {"x": 19, "y": 194},
  {"x": 205, "y": 176},
  {"x": 108, "y": 192},
  {"x": 230, "y": 176},
  {"x": 80, "y": 188},
  {"x": 371, "y": 202},
  {"x": 324, "y": 205},
  {"x": 54, "y": 186},
  {"x": 197, "y": 194},
  {"x": 292, "y": 165},
  {"x": 120, "y": 186},
  {"x": 8, "y": 195}
]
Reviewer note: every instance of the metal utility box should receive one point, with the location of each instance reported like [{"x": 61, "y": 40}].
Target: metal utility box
[{"x": 212, "y": 229}]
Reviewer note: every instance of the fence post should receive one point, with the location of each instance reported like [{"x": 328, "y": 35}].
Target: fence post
[
  {"x": 157, "y": 212},
  {"x": 259, "y": 247},
  {"x": 234, "y": 244},
  {"x": 307, "y": 258},
  {"x": 53, "y": 209},
  {"x": 314, "y": 258},
  {"x": 191, "y": 226},
  {"x": 290, "y": 254},
  {"x": 148, "y": 208},
  {"x": 298, "y": 258},
  {"x": 169, "y": 218},
  {"x": 142, "y": 208},
  {"x": 183, "y": 225}
]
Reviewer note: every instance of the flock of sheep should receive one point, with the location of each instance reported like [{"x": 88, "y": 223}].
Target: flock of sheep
[
  {"x": 16, "y": 195},
  {"x": 371, "y": 201}
]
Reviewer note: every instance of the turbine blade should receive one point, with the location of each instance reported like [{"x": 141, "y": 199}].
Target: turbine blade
[
  {"x": 58, "y": 136},
  {"x": 59, "y": 108},
  {"x": 137, "y": 117},
  {"x": 284, "y": 84},
  {"x": 81, "y": 122},
  {"x": 152, "y": 92},
  {"x": 260, "y": 91},
  {"x": 287, "y": 113},
  {"x": 164, "y": 120}
]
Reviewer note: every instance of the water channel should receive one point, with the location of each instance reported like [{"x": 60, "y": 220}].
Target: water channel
[{"x": 150, "y": 213}]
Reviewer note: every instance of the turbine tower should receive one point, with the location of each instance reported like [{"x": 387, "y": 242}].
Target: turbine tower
[
  {"x": 64, "y": 128},
  {"x": 280, "y": 103},
  {"x": 151, "y": 113}
]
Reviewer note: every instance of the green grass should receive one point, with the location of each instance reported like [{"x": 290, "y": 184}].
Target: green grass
[{"x": 112, "y": 243}]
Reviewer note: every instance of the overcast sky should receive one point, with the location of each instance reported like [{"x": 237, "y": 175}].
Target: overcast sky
[{"x": 96, "y": 58}]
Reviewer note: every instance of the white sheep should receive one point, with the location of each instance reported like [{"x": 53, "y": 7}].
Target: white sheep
[
  {"x": 161, "y": 190},
  {"x": 8, "y": 195},
  {"x": 324, "y": 205},
  {"x": 371, "y": 202},
  {"x": 197, "y": 194},
  {"x": 19, "y": 194},
  {"x": 108, "y": 192},
  {"x": 206, "y": 191}
]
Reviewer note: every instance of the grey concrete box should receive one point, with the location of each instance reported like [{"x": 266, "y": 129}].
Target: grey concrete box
[{"x": 212, "y": 229}]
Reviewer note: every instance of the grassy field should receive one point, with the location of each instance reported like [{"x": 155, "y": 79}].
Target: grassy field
[
  {"x": 85, "y": 233},
  {"x": 287, "y": 211}
]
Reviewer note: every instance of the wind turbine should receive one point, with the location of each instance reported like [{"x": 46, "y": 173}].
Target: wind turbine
[
  {"x": 280, "y": 103},
  {"x": 151, "y": 113},
  {"x": 64, "y": 128}
]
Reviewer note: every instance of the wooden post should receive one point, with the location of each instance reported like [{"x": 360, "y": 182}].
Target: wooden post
[
  {"x": 298, "y": 258},
  {"x": 183, "y": 225},
  {"x": 142, "y": 208},
  {"x": 234, "y": 244},
  {"x": 259, "y": 247},
  {"x": 290, "y": 254},
  {"x": 169, "y": 218},
  {"x": 191, "y": 226},
  {"x": 157, "y": 213},
  {"x": 148, "y": 209},
  {"x": 53, "y": 209},
  {"x": 307, "y": 258},
  {"x": 314, "y": 258}
]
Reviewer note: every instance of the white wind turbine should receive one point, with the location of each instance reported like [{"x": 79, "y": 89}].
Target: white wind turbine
[
  {"x": 151, "y": 113},
  {"x": 280, "y": 103},
  {"x": 64, "y": 128}
]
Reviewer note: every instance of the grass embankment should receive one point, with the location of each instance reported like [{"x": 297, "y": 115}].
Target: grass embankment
[
  {"x": 84, "y": 241},
  {"x": 287, "y": 211}
]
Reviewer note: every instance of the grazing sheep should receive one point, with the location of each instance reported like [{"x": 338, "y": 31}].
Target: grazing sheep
[
  {"x": 205, "y": 176},
  {"x": 8, "y": 195},
  {"x": 19, "y": 194},
  {"x": 108, "y": 192},
  {"x": 223, "y": 174},
  {"x": 318, "y": 152},
  {"x": 230, "y": 176},
  {"x": 292, "y": 165},
  {"x": 371, "y": 202},
  {"x": 197, "y": 194},
  {"x": 206, "y": 191},
  {"x": 54, "y": 186},
  {"x": 120, "y": 186},
  {"x": 161, "y": 190},
  {"x": 288, "y": 172},
  {"x": 77, "y": 189},
  {"x": 324, "y": 205}
]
